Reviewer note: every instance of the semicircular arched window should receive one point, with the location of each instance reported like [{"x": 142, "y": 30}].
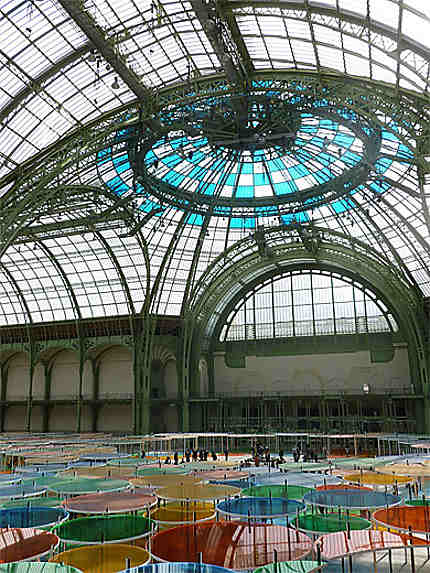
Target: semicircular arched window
[{"x": 307, "y": 303}]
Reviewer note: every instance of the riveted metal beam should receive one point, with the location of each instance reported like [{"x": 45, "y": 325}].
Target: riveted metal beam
[
  {"x": 237, "y": 38},
  {"x": 106, "y": 47},
  {"x": 221, "y": 41}
]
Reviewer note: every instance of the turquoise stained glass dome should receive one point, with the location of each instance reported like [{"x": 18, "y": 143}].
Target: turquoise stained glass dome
[{"x": 253, "y": 155}]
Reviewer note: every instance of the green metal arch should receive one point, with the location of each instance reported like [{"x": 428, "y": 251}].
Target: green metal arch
[
  {"x": 251, "y": 267},
  {"x": 240, "y": 257},
  {"x": 229, "y": 280},
  {"x": 395, "y": 295}
]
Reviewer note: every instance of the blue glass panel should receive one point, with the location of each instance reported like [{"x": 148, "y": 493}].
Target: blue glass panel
[
  {"x": 121, "y": 167},
  {"x": 317, "y": 142},
  {"x": 196, "y": 173},
  {"x": 148, "y": 206},
  {"x": 325, "y": 158},
  {"x": 266, "y": 211},
  {"x": 351, "y": 155},
  {"x": 231, "y": 179},
  {"x": 298, "y": 171},
  {"x": 390, "y": 136},
  {"x": 245, "y": 191},
  {"x": 173, "y": 177},
  {"x": 247, "y": 168},
  {"x": 283, "y": 188},
  {"x": 296, "y": 218},
  {"x": 404, "y": 152},
  {"x": 150, "y": 157},
  {"x": 383, "y": 164},
  {"x": 339, "y": 206},
  {"x": 195, "y": 219},
  {"x": 241, "y": 223},
  {"x": 343, "y": 139},
  {"x": 209, "y": 189},
  {"x": 273, "y": 166},
  {"x": 119, "y": 159},
  {"x": 117, "y": 185},
  {"x": 320, "y": 176},
  {"x": 260, "y": 179},
  {"x": 104, "y": 155}
]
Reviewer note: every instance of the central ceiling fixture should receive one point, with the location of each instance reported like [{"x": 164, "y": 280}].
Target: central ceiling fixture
[{"x": 249, "y": 124}]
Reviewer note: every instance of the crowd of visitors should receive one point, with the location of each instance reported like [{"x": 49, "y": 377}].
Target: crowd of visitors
[{"x": 195, "y": 455}]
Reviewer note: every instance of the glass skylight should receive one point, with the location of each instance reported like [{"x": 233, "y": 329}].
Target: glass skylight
[{"x": 213, "y": 191}]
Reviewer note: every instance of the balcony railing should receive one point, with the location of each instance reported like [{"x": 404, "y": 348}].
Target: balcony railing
[
  {"x": 406, "y": 390},
  {"x": 388, "y": 391}
]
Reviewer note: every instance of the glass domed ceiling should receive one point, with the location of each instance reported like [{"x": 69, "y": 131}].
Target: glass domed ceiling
[
  {"x": 251, "y": 155},
  {"x": 53, "y": 85}
]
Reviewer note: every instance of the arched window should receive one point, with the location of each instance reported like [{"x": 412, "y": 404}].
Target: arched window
[{"x": 307, "y": 303}]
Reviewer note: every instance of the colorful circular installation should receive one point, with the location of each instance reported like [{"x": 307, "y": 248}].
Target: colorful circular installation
[
  {"x": 285, "y": 491},
  {"x": 218, "y": 141},
  {"x": 104, "y": 529},
  {"x": 180, "y": 512},
  {"x": 355, "y": 463},
  {"x": 376, "y": 479},
  {"x": 237, "y": 546},
  {"x": 336, "y": 545},
  {"x": 103, "y": 472},
  {"x": 417, "y": 469},
  {"x": 37, "y": 567},
  {"x": 404, "y": 518},
  {"x": 111, "y": 502},
  {"x": 45, "y": 481},
  {"x": 19, "y": 544},
  {"x": 177, "y": 568},
  {"x": 200, "y": 466},
  {"x": 418, "y": 501},
  {"x": 81, "y": 486},
  {"x": 220, "y": 474},
  {"x": 51, "y": 501},
  {"x": 351, "y": 499},
  {"x": 103, "y": 558},
  {"x": 32, "y": 516},
  {"x": 303, "y": 479},
  {"x": 164, "y": 480},
  {"x": 291, "y": 567},
  {"x": 198, "y": 492},
  {"x": 260, "y": 507},
  {"x": 99, "y": 456},
  {"x": 42, "y": 469},
  {"x": 20, "y": 490},
  {"x": 160, "y": 470},
  {"x": 332, "y": 486},
  {"x": 304, "y": 467},
  {"x": 122, "y": 462},
  {"x": 313, "y": 523}
]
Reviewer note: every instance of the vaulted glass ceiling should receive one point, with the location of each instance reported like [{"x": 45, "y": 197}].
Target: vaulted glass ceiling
[{"x": 195, "y": 193}]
